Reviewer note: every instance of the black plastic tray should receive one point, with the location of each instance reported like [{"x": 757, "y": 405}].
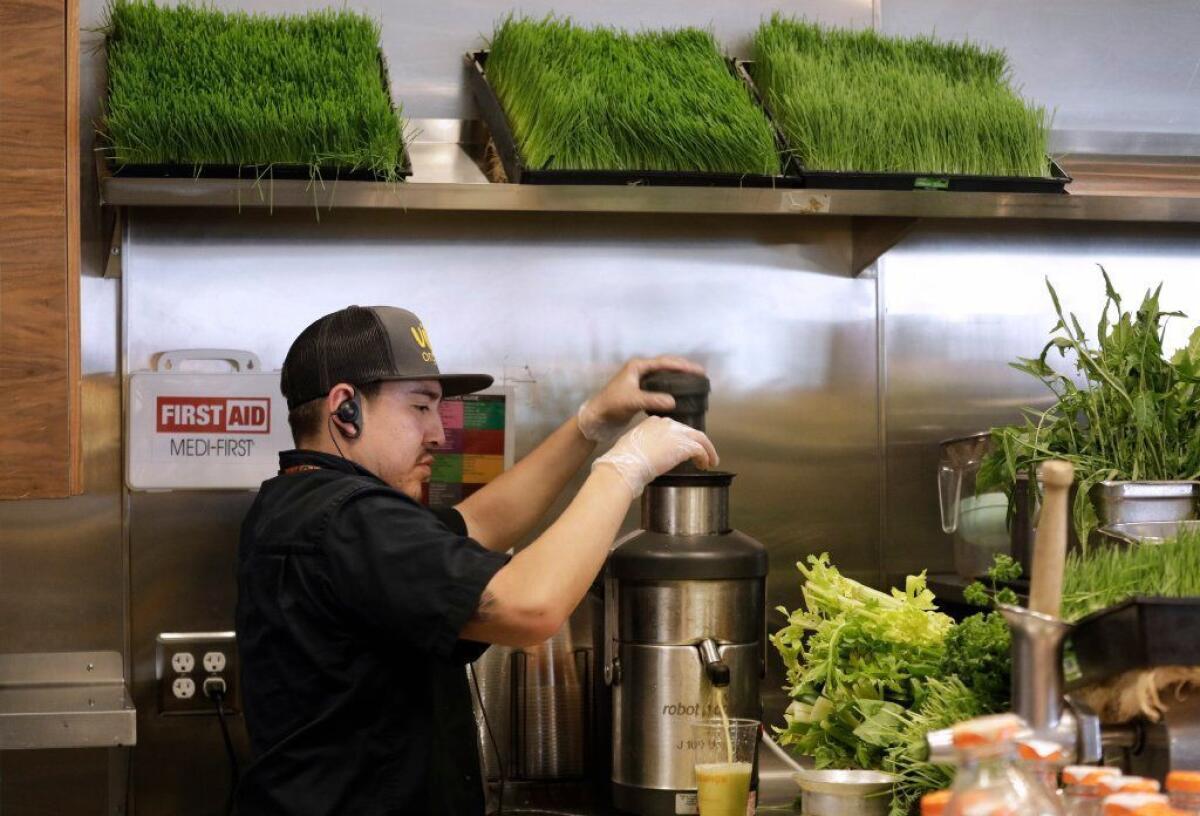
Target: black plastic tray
[
  {"x": 518, "y": 172},
  {"x": 264, "y": 172},
  {"x": 1140, "y": 633},
  {"x": 1056, "y": 182},
  {"x": 251, "y": 171}
]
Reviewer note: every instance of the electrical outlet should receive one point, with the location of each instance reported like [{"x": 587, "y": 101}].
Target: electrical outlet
[
  {"x": 185, "y": 684},
  {"x": 183, "y": 688}
]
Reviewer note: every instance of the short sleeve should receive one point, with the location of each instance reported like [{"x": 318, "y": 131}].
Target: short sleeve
[{"x": 398, "y": 567}]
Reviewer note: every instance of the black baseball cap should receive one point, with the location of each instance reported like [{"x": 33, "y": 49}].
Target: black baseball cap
[{"x": 366, "y": 344}]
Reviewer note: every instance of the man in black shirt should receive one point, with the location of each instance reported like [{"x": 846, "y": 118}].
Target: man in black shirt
[{"x": 358, "y": 607}]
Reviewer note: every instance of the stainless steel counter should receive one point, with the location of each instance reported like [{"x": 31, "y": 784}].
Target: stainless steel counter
[{"x": 777, "y": 791}]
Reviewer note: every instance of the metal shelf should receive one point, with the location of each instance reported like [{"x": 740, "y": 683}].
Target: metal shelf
[
  {"x": 1128, "y": 197},
  {"x": 65, "y": 700},
  {"x": 448, "y": 157}
]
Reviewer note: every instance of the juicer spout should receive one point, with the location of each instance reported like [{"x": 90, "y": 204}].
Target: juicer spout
[{"x": 716, "y": 668}]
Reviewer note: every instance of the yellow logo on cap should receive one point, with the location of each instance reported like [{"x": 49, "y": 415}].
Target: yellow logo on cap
[{"x": 422, "y": 337}]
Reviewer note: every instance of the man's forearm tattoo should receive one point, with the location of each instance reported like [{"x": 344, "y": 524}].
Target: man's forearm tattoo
[{"x": 487, "y": 603}]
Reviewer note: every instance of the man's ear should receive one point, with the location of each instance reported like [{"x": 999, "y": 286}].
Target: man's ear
[{"x": 336, "y": 397}]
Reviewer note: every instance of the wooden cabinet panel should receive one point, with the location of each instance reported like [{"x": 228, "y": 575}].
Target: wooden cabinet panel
[{"x": 39, "y": 248}]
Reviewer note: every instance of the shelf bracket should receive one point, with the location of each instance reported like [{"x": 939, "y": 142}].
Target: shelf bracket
[
  {"x": 112, "y": 258},
  {"x": 871, "y": 236}
]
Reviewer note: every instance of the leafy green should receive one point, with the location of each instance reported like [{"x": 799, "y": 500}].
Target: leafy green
[
  {"x": 1004, "y": 569},
  {"x": 1135, "y": 416},
  {"x": 1105, "y": 576},
  {"x": 945, "y": 703},
  {"x": 862, "y": 101},
  {"x": 606, "y": 99},
  {"x": 850, "y": 650},
  {"x": 978, "y": 651},
  {"x": 192, "y": 85},
  {"x": 979, "y": 648},
  {"x": 870, "y": 673}
]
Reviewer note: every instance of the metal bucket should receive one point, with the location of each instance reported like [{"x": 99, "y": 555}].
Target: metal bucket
[
  {"x": 1140, "y": 502},
  {"x": 844, "y": 793}
]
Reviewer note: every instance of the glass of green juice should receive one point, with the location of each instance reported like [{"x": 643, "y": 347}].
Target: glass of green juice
[{"x": 724, "y": 756}]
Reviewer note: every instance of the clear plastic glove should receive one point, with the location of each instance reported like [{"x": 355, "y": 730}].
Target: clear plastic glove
[
  {"x": 606, "y": 414},
  {"x": 653, "y": 447}
]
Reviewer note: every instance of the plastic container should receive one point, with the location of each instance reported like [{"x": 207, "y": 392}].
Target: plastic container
[
  {"x": 1183, "y": 787},
  {"x": 990, "y": 780},
  {"x": 1081, "y": 793}
]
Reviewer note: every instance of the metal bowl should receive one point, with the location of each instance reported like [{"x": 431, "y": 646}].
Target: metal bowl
[{"x": 844, "y": 793}]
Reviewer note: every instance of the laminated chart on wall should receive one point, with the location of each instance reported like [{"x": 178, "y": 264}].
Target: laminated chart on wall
[
  {"x": 192, "y": 430},
  {"x": 479, "y": 432}
]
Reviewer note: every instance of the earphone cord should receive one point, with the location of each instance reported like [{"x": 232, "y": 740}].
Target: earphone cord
[{"x": 333, "y": 439}]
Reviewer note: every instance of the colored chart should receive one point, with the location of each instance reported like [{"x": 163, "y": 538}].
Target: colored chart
[{"x": 474, "y": 452}]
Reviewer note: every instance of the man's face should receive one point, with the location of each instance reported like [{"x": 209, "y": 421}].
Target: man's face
[{"x": 401, "y": 430}]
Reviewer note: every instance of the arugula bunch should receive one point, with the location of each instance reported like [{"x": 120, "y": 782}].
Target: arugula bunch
[
  {"x": 1126, "y": 411},
  {"x": 900, "y": 732}
]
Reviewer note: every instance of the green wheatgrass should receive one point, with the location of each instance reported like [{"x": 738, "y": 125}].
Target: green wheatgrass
[
  {"x": 860, "y": 101},
  {"x": 605, "y": 99},
  {"x": 194, "y": 86},
  {"x": 1105, "y": 576}
]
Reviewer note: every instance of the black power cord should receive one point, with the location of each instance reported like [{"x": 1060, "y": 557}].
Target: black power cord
[
  {"x": 215, "y": 690},
  {"x": 491, "y": 738}
]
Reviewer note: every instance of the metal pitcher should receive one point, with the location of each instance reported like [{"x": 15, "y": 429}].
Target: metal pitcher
[{"x": 978, "y": 521}]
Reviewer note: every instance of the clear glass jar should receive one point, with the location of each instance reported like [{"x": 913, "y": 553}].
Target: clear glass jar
[
  {"x": 1110, "y": 785},
  {"x": 1042, "y": 759},
  {"x": 989, "y": 778},
  {"x": 934, "y": 803},
  {"x": 1134, "y": 804},
  {"x": 1184, "y": 790},
  {"x": 1081, "y": 793}
]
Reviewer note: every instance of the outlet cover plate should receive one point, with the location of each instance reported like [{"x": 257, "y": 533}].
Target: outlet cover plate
[{"x": 198, "y": 644}]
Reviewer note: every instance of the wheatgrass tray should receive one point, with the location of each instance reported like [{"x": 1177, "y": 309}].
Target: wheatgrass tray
[
  {"x": 860, "y": 110},
  {"x": 569, "y": 105},
  {"x": 198, "y": 92}
]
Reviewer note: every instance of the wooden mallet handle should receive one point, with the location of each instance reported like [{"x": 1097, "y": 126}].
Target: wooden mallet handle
[{"x": 1050, "y": 548}]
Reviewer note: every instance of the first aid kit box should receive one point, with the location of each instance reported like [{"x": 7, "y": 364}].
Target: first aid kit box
[{"x": 204, "y": 430}]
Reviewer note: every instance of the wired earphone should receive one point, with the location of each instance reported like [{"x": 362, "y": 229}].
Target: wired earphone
[{"x": 349, "y": 412}]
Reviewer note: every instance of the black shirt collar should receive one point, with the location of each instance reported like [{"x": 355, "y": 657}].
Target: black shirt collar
[{"x": 294, "y": 458}]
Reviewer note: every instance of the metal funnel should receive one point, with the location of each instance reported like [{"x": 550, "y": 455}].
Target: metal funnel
[
  {"x": 1037, "y": 685},
  {"x": 1037, "y": 679}
]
